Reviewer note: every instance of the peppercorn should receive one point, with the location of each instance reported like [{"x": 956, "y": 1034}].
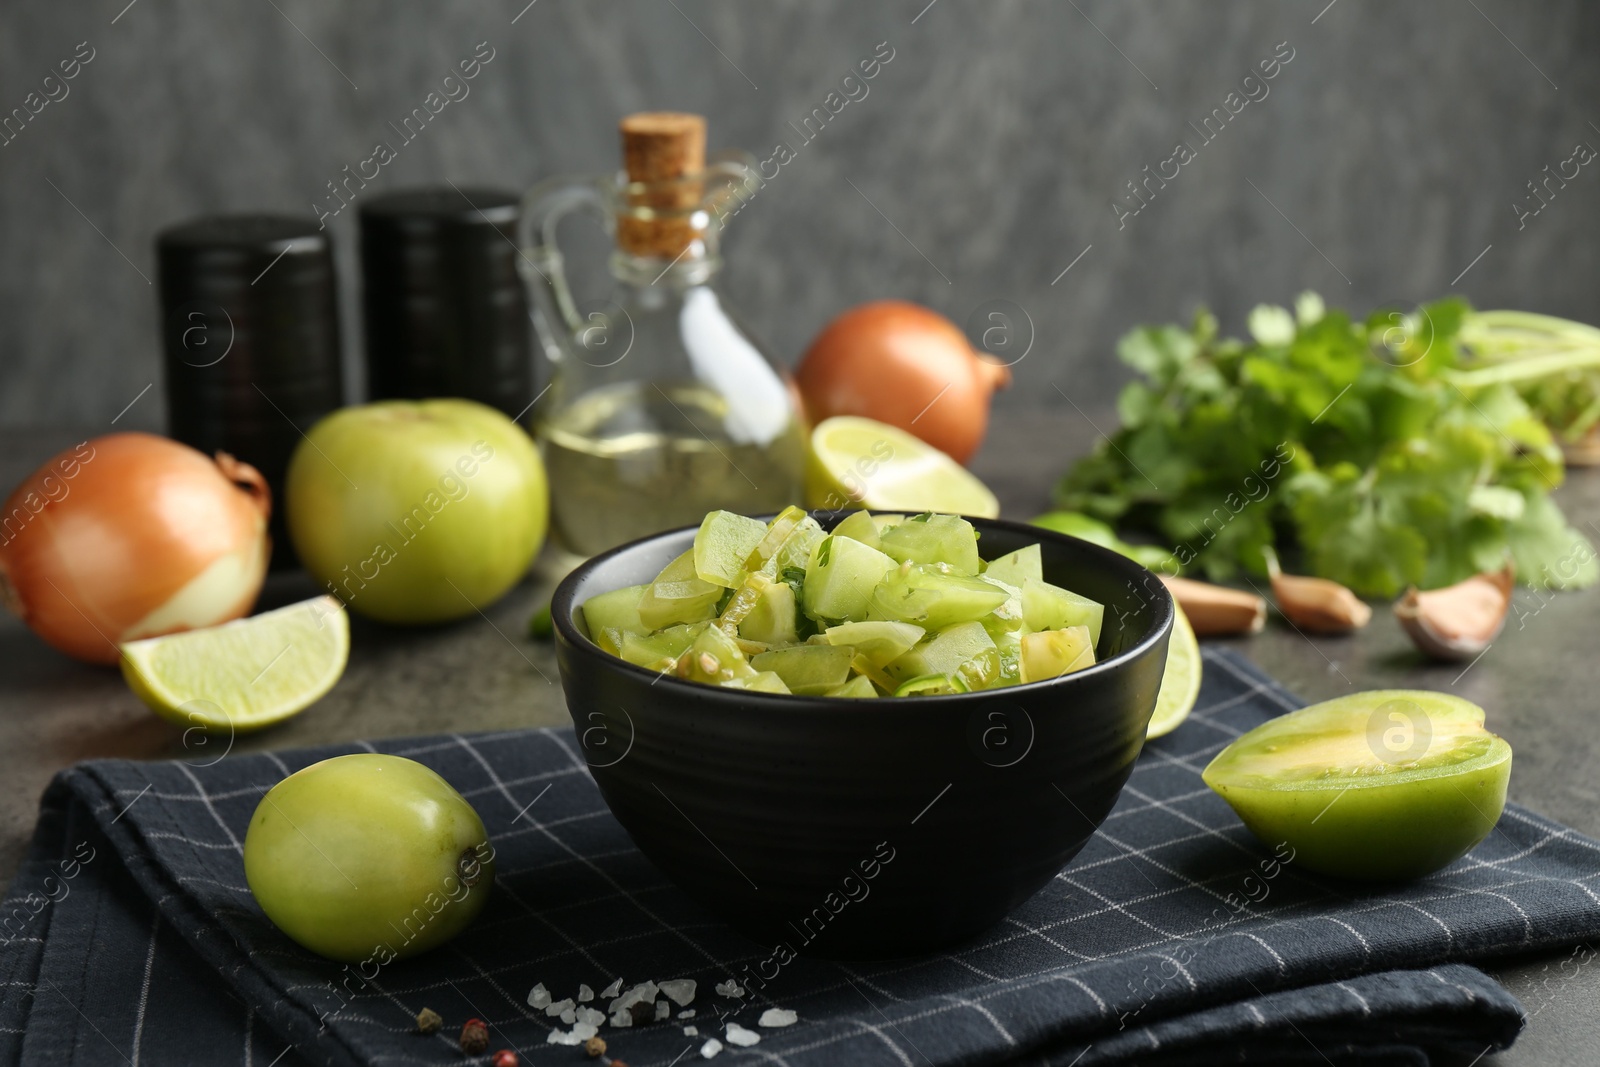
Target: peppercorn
[
  {"x": 504, "y": 1058},
  {"x": 429, "y": 1021},
  {"x": 474, "y": 1036},
  {"x": 596, "y": 1046}
]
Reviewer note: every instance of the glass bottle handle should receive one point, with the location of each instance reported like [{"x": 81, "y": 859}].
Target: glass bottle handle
[{"x": 540, "y": 264}]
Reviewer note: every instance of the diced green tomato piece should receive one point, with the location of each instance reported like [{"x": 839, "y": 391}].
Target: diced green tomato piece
[
  {"x": 648, "y": 650},
  {"x": 617, "y": 610},
  {"x": 879, "y": 642},
  {"x": 723, "y": 545},
  {"x": 610, "y": 640},
  {"x": 809, "y": 670},
  {"x": 1051, "y": 653},
  {"x": 680, "y": 569},
  {"x": 947, "y": 539},
  {"x": 840, "y": 578},
  {"x": 760, "y": 682},
  {"x": 772, "y": 620},
  {"x": 1007, "y": 618},
  {"x": 1050, "y": 607},
  {"x": 778, "y": 531},
  {"x": 883, "y": 522},
  {"x": 858, "y": 526},
  {"x": 670, "y": 603},
  {"x": 796, "y": 550},
  {"x": 1008, "y": 646},
  {"x": 859, "y": 686},
  {"x": 1383, "y": 785},
  {"x": 1015, "y": 568},
  {"x": 965, "y": 650},
  {"x": 931, "y": 685},
  {"x": 677, "y": 596},
  {"x": 714, "y": 657},
  {"x": 919, "y": 594}
]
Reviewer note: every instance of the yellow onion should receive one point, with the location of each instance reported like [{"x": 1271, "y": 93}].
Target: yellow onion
[
  {"x": 132, "y": 535},
  {"x": 905, "y": 365}
]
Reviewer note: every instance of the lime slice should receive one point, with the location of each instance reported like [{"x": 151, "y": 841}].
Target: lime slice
[
  {"x": 246, "y": 674},
  {"x": 856, "y": 462},
  {"x": 1180, "y": 682}
]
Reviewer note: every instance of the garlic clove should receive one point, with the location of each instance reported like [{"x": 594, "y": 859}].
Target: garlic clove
[
  {"x": 1215, "y": 610},
  {"x": 1459, "y": 621},
  {"x": 1316, "y": 605},
  {"x": 1584, "y": 452}
]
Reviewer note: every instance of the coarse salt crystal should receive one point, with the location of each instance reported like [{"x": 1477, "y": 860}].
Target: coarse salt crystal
[
  {"x": 585, "y": 994},
  {"x": 738, "y": 1035},
  {"x": 678, "y": 990},
  {"x": 591, "y": 1016},
  {"x": 539, "y": 996},
  {"x": 773, "y": 1018},
  {"x": 686, "y": 1013},
  {"x": 644, "y": 992},
  {"x": 710, "y": 1048},
  {"x": 663, "y": 1010},
  {"x": 730, "y": 988},
  {"x": 569, "y": 1016},
  {"x": 558, "y": 1007},
  {"x": 691, "y": 1031},
  {"x": 576, "y": 1036},
  {"x": 612, "y": 990},
  {"x": 621, "y": 1019}
]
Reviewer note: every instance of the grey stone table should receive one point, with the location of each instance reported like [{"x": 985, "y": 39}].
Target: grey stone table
[{"x": 1539, "y": 682}]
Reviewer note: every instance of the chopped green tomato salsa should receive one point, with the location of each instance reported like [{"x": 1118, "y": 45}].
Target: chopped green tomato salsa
[{"x": 884, "y": 605}]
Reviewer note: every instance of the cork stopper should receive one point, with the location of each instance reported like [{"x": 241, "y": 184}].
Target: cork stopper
[{"x": 665, "y": 151}]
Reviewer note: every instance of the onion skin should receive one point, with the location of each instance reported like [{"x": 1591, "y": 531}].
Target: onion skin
[
  {"x": 905, "y": 365},
  {"x": 97, "y": 545}
]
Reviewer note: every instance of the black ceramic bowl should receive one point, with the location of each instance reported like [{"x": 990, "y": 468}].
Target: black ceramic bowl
[{"x": 867, "y": 828}]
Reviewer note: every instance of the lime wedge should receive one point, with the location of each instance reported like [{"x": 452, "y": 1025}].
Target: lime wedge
[
  {"x": 856, "y": 462},
  {"x": 246, "y": 674},
  {"x": 1180, "y": 683}
]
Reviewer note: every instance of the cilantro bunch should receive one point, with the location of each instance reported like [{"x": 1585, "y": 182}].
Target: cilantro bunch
[{"x": 1361, "y": 445}]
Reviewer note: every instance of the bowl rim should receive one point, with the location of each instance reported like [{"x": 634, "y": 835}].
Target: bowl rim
[{"x": 562, "y": 610}]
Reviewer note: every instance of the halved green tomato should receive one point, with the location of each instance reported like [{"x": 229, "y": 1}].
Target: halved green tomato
[{"x": 1384, "y": 785}]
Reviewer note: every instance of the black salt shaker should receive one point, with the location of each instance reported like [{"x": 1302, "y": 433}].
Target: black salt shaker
[
  {"x": 250, "y": 332},
  {"x": 445, "y": 311}
]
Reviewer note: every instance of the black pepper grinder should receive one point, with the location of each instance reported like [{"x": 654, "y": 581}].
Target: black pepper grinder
[
  {"x": 250, "y": 331},
  {"x": 445, "y": 311}
]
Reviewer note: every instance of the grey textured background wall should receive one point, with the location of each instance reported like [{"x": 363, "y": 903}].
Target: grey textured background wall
[{"x": 986, "y": 157}]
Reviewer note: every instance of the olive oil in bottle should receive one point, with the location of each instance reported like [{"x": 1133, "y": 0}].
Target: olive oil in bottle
[{"x": 662, "y": 407}]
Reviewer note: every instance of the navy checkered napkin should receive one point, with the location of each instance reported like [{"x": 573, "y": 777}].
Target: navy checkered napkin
[{"x": 1174, "y": 938}]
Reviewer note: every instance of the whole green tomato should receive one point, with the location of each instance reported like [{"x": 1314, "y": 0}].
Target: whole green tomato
[
  {"x": 368, "y": 858},
  {"x": 417, "y": 511},
  {"x": 1384, "y": 785}
]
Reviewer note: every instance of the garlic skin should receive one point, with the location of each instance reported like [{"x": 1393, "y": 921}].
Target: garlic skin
[
  {"x": 1316, "y": 605},
  {"x": 1459, "y": 621},
  {"x": 1216, "y": 610}
]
